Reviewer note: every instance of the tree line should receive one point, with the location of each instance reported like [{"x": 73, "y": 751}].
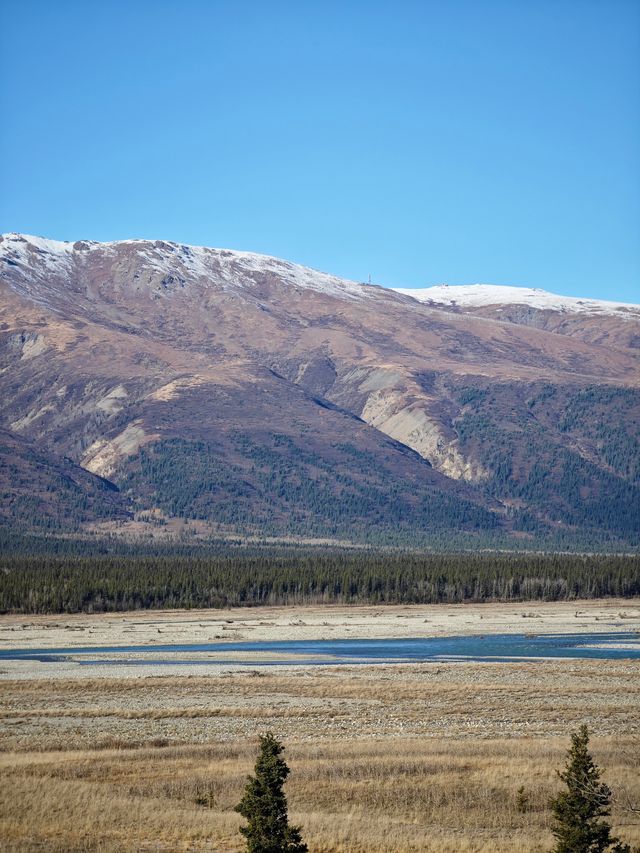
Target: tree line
[{"x": 69, "y": 583}]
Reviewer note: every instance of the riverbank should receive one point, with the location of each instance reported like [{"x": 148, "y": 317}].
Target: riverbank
[{"x": 149, "y": 628}]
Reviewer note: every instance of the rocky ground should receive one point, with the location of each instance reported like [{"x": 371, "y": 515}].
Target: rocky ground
[
  {"x": 69, "y": 704},
  {"x": 148, "y": 628}
]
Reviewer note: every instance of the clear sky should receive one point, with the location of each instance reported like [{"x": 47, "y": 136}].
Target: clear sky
[{"x": 453, "y": 141}]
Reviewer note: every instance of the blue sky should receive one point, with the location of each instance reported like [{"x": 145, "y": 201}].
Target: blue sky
[{"x": 427, "y": 142}]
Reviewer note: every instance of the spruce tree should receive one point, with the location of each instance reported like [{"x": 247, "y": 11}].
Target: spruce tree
[
  {"x": 578, "y": 810},
  {"x": 264, "y": 804}
]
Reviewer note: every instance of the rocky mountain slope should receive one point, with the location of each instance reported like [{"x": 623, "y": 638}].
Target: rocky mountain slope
[{"x": 261, "y": 396}]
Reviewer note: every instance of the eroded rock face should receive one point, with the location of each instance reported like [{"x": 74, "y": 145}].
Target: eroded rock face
[
  {"x": 104, "y": 456},
  {"x": 113, "y": 354},
  {"x": 412, "y": 425},
  {"x": 396, "y": 405}
]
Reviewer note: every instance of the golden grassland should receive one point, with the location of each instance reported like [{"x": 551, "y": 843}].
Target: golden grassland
[
  {"x": 355, "y": 795},
  {"x": 387, "y": 758}
]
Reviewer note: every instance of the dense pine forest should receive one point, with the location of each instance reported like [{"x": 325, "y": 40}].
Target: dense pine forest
[{"x": 69, "y": 583}]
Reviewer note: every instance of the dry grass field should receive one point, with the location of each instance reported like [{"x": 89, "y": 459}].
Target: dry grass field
[{"x": 388, "y": 758}]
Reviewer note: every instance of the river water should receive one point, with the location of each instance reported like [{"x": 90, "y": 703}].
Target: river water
[{"x": 490, "y": 647}]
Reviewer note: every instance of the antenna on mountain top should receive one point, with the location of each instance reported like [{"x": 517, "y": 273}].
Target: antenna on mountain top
[{"x": 369, "y": 278}]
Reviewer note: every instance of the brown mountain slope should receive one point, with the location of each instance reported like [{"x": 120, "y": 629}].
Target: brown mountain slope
[
  {"x": 605, "y": 331},
  {"x": 253, "y": 392}
]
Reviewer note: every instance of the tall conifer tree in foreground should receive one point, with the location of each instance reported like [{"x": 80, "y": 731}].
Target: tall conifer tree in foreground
[
  {"x": 264, "y": 804},
  {"x": 579, "y": 809}
]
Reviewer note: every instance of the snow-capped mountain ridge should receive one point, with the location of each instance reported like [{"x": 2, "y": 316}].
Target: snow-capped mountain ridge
[
  {"x": 232, "y": 270},
  {"x": 481, "y": 295},
  {"x": 224, "y": 266}
]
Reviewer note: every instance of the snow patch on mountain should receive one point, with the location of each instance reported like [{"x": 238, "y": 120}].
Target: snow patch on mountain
[
  {"x": 36, "y": 252},
  {"x": 482, "y": 295},
  {"x": 294, "y": 275}
]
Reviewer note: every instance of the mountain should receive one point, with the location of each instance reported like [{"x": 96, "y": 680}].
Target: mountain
[{"x": 262, "y": 397}]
